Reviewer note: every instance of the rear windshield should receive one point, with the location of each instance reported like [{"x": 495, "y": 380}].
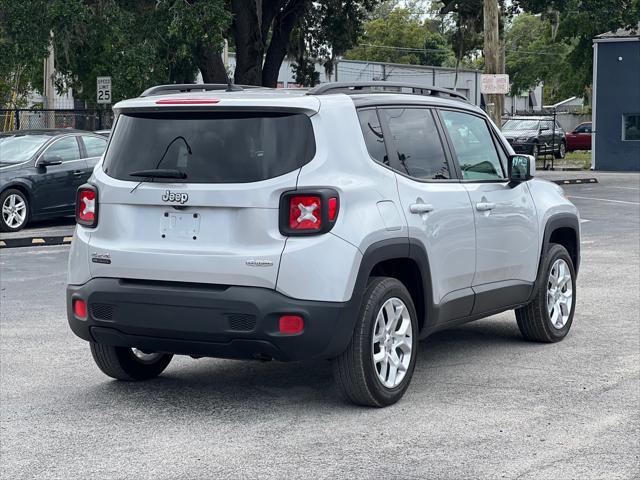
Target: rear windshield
[{"x": 210, "y": 147}]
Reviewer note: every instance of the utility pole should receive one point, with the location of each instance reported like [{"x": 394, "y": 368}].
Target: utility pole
[
  {"x": 493, "y": 63},
  {"x": 48, "y": 92}
]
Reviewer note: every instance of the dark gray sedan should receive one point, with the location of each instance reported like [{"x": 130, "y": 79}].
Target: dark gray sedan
[{"x": 40, "y": 171}]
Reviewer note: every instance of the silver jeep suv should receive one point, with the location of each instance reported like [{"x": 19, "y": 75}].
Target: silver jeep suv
[{"x": 345, "y": 222}]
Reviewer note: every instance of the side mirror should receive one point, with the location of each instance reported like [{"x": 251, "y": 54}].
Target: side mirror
[
  {"x": 521, "y": 168},
  {"x": 48, "y": 161}
]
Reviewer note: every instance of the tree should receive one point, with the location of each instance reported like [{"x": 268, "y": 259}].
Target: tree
[
  {"x": 532, "y": 56},
  {"x": 402, "y": 38},
  {"x": 579, "y": 21},
  {"x": 24, "y": 37}
]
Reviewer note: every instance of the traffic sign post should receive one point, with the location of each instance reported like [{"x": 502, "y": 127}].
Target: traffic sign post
[{"x": 103, "y": 90}]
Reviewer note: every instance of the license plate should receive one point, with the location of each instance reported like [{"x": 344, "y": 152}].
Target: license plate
[{"x": 180, "y": 225}]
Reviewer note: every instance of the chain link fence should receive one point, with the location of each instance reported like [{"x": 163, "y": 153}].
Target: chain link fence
[{"x": 81, "y": 119}]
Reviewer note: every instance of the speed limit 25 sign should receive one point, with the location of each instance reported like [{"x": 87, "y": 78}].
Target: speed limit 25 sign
[{"x": 104, "y": 89}]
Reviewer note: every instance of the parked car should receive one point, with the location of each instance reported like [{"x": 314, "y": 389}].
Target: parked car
[
  {"x": 535, "y": 136},
  {"x": 40, "y": 171},
  {"x": 579, "y": 138},
  {"x": 342, "y": 223}
]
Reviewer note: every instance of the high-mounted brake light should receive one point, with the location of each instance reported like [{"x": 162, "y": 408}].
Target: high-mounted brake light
[
  {"x": 308, "y": 212},
  {"x": 187, "y": 101},
  {"x": 87, "y": 206}
]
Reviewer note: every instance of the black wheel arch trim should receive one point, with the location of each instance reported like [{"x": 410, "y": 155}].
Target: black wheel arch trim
[
  {"x": 390, "y": 249},
  {"x": 555, "y": 222}
]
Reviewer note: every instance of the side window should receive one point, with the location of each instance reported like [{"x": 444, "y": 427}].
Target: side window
[
  {"x": 473, "y": 145},
  {"x": 546, "y": 125},
  {"x": 372, "y": 132},
  {"x": 65, "y": 149},
  {"x": 416, "y": 142},
  {"x": 587, "y": 128},
  {"x": 94, "y": 146}
]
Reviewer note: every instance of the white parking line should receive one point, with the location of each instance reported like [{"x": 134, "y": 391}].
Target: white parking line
[
  {"x": 626, "y": 188},
  {"x": 584, "y": 220},
  {"x": 604, "y": 200}
]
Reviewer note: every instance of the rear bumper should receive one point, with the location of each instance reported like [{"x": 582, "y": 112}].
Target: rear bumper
[{"x": 208, "y": 320}]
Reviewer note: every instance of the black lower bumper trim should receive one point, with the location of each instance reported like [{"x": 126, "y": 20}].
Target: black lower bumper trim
[{"x": 202, "y": 320}]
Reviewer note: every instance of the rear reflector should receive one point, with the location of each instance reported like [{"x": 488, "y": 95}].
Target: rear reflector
[
  {"x": 291, "y": 324},
  {"x": 333, "y": 209},
  {"x": 87, "y": 206},
  {"x": 187, "y": 101},
  {"x": 80, "y": 308}
]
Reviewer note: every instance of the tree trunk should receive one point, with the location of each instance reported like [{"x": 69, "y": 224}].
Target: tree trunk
[
  {"x": 247, "y": 31},
  {"x": 492, "y": 57},
  {"x": 211, "y": 67},
  {"x": 283, "y": 24}
]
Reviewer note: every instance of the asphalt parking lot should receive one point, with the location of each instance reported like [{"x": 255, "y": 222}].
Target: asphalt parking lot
[{"x": 483, "y": 403}]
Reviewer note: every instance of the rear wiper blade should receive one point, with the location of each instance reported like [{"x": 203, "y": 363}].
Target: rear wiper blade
[{"x": 159, "y": 173}]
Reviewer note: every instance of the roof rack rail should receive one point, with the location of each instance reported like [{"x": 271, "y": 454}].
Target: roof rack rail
[
  {"x": 376, "y": 87},
  {"x": 188, "y": 87}
]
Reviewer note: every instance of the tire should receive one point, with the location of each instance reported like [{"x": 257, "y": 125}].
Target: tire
[
  {"x": 536, "y": 320},
  {"x": 357, "y": 374},
  {"x": 14, "y": 210},
  {"x": 535, "y": 151},
  {"x": 122, "y": 363},
  {"x": 562, "y": 151}
]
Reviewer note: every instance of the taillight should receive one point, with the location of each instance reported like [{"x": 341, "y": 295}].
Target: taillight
[
  {"x": 308, "y": 212},
  {"x": 305, "y": 212},
  {"x": 87, "y": 206}
]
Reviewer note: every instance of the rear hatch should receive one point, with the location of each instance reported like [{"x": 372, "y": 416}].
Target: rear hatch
[{"x": 219, "y": 224}]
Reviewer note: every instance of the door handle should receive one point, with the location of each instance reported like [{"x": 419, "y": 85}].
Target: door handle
[
  {"x": 485, "y": 206},
  {"x": 78, "y": 173},
  {"x": 420, "y": 208}
]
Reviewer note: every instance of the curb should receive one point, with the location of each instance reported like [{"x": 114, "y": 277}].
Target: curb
[
  {"x": 575, "y": 181},
  {"x": 35, "y": 241}
]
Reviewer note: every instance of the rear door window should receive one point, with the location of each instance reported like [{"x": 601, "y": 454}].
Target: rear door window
[
  {"x": 210, "y": 147},
  {"x": 416, "y": 142},
  {"x": 94, "y": 146}
]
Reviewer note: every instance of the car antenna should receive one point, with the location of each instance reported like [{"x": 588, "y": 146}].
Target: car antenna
[{"x": 230, "y": 86}]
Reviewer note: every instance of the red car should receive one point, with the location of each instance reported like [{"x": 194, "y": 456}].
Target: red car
[{"x": 579, "y": 138}]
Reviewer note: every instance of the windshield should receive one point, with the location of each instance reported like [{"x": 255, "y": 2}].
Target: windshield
[
  {"x": 20, "y": 148},
  {"x": 210, "y": 147},
  {"x": 521, "y": 125}
]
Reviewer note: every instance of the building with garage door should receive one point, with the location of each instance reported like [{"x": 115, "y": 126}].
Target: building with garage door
[{"x": 616, "y": 101}]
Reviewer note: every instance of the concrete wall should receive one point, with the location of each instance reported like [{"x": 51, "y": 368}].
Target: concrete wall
[
  {"x": 568, "y": 121},
  {"x": 616, "y": 92}
]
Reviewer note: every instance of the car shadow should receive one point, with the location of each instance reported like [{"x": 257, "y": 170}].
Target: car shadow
[{"x": 205, "y": 386}]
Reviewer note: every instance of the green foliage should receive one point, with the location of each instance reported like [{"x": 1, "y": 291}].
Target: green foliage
[
  {"x": 24, "y": 37},
  {"x": 533, "y": 57},
  {"x": 138, "y": 43},
  {"x": 579, "y": 22},
  {"x": 402, "y": 38}
]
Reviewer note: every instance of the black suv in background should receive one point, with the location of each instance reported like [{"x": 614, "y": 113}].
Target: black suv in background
[{"x": 535, "y": 136}]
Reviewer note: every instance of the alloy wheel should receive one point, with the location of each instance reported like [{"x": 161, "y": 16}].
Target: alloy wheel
[
  {"x": 559, "y": 293},
  {"x": 392, "y": 342},
  {"x": 14, "y": 211}
]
